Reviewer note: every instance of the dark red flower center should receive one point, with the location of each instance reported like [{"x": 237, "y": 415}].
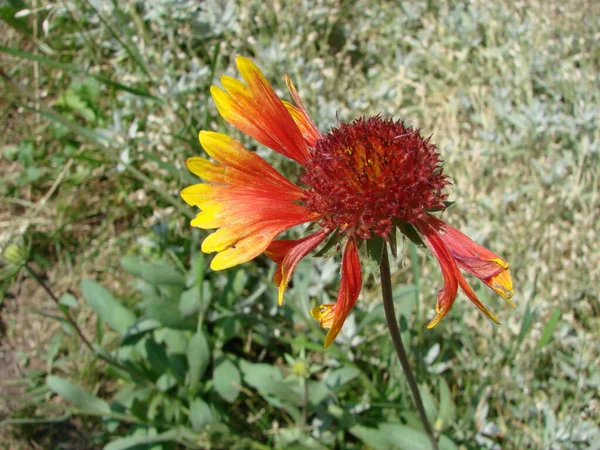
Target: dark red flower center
[{"x": 363, "y": 175}]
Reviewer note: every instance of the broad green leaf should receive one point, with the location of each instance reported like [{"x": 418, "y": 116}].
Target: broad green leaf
[
  {"x": 138, "y": 330},
  {"x": 165, "y": 382},
  {"x": 157, "y": 357},
  {"x": 402, "y": 437},
  {"x": 371, "y": 436},
  {"x": 339, "y": 377},
  {"x": 200, "y": 414},
  {"x": 153, "y": 273},
  {"x": 317, "y": 392},
  {"x": 82, "y": 399},
  {"x": 175, "y": 340},
  {"x": 108, "y": 309},
  {"x": 429, "y": 403},
  {"x": 447, "y": 409},
  {"x": 131, "y": 442},
  {"x": 226, "y": 379},
  {"x": 260, "y": 375},
  {"x": 69, "y": 301},
  {"x": 198, "y": 356},
  {"x": 190, "y": 301},
  {"x": 167, "y": 314}
]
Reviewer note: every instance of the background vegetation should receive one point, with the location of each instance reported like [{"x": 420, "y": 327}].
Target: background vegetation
[{"x": 102, "y": 102}]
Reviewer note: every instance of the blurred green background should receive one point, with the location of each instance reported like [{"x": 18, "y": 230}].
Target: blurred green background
[{"x": 102, "y": 102}]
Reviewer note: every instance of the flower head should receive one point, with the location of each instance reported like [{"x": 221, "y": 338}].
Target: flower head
[{"x": 360, "y": 181}]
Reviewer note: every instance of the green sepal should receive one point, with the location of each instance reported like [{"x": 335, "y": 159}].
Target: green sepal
[
  {"x": 332, "y": 246},
  {"x": 393, "y": 240},
  {"x": 375, "y": 249},
  {"x": 410, "y": 232},
  {"x": 447, "y": 204}
]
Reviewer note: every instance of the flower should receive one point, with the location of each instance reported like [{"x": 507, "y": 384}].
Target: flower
[{"x": 358, "y": 182}]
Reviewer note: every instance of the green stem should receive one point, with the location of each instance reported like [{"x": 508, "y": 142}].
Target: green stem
[
  {"x": 72, "y": 321},
  {"x": 390, "y": 315}
]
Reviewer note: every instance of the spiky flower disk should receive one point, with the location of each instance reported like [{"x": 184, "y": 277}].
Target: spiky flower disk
[{"x": 364, "y": 174}]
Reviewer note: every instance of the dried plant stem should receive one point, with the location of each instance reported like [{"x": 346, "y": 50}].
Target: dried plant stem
[
  {"x": 390, "y": 315},
  {"x": 70, "y": 319}
]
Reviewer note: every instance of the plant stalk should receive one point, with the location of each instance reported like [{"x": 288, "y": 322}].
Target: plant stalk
[
  {"x": 390, "y": 316},
  {"x": 71, "y": 320}
]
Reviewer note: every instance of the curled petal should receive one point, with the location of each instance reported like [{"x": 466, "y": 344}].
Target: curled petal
[
  {"x": 309, "y": 130},
  {"x": 333, "y": 316},
  {"x": 476, "y": 259},
  {"x": 255, "y": 109},
  {"x": 452, "y": 276},
  {"x": 287, "y": 254},
  {"x": 447, "y": 294}
]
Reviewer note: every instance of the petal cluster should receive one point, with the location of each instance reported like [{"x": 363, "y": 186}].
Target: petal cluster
[{"x": 361, "y": 178}]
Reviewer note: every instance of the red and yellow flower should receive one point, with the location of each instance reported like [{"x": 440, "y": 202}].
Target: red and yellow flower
[{"x": 360, "y": 180}]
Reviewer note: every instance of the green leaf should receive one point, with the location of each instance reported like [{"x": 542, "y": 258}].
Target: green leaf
[
  {"x": 167, "y": 314},
  {"x": 429, "y": 403},
  {"x": 68, "y": 301},
  {"x": 402, "y": 437},
  {"x": 549, "y": 328},
  {"x": 56, "y": 419},
  {"x": 71, "y": 100},
  {"x": 339, "y": 377},
  {"x": 371, "y": 436},
  {"x": 108, "y": 309},
  {"x": 74, "y": 69},
  {"x": 200, "y": 414},
  {"x": 82, "y": 399},
  {"x": 138, "y": 330},
  {"x": 198, "y": 356},
  {"x": 153, "y": 273},
  {"x": 227, "y": 379},
  {"x": 526, "y": 323},
  {"x": 190, "y": 301},
  {"x": 157, "y": 357},
  {"x": 447, "y": 410},
  {"x": 131, "y": 442},
  {"x": 317, "y": 392},
  {"x": 8, "y": 12}
]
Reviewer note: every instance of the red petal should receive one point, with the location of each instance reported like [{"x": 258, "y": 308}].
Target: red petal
[
  {"x": 447, "y": 294},
  {"x": 334, "y": 316},
  {"x": 452, "y": 276},
  {"x": 288, "y": 253},
  {"x": 475, "y": 259}
]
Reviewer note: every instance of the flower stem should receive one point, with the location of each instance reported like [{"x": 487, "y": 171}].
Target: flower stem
[
  {"x": 390, "y": 315},
  {"x": 71, "y": 320}
]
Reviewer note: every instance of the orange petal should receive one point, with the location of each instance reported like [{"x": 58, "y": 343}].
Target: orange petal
[
  {"x": 245, "y": 168},
  {"x": 245, "y": 198},
  {"x": 255, "y": 109},
  {"x": 288, "y": 253},
  {"x": 309, "y": 130}
]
